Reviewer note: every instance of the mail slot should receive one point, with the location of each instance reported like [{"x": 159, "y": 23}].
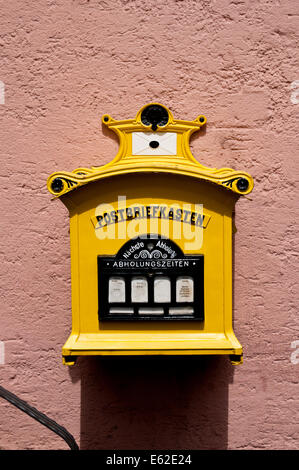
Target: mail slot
[{"x": 151, "y": 244}]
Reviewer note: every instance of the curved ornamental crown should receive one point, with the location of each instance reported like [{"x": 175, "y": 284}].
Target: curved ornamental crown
[{"x": 152, "y": 142}]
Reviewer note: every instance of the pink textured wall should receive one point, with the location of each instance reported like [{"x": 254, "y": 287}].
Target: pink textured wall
[{"x": 64, "y": 64}]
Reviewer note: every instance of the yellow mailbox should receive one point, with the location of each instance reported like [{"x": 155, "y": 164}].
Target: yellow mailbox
[{"x": 151, "y": 245}]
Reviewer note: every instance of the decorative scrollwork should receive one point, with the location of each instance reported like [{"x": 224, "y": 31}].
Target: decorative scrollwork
[
  {"x": 229, "y": 183},
  {"x": 241, "y": 183},
  {"x": 146, "y": 254},
  {"x": 70, "y": 183},
  {"x": 61, "y": 183}
]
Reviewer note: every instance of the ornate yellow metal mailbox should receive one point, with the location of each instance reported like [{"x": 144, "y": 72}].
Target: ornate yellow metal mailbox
[{"x": 151, "y": 245}]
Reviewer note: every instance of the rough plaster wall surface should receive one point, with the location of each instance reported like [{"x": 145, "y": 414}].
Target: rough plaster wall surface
[{"x": 64, "y": 64}]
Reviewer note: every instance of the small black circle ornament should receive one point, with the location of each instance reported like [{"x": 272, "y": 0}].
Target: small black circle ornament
[
  {"x": 154, "y": 144},
  {"x": 154, "y": 115},
  {"x": 242, "y": 184},
  {"x": 57, "y": 185}
]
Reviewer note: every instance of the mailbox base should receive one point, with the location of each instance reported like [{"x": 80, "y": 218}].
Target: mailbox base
[{"x": 204, "y": 344}]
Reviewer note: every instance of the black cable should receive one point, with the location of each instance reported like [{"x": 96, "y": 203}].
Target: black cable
[{"x": 40, "y": 417}]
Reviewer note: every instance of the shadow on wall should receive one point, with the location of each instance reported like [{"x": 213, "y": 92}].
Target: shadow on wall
[{"x": 154, "y": 402}]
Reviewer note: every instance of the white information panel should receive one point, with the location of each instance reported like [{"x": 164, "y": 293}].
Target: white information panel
[
  {"x": 185, "y": 289},
  {"x": 162, "y": 289},
  {"x": 165, "y": 143},
  {"x": 117, "y": 290},
  {"x": 139, "y": 290}
]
